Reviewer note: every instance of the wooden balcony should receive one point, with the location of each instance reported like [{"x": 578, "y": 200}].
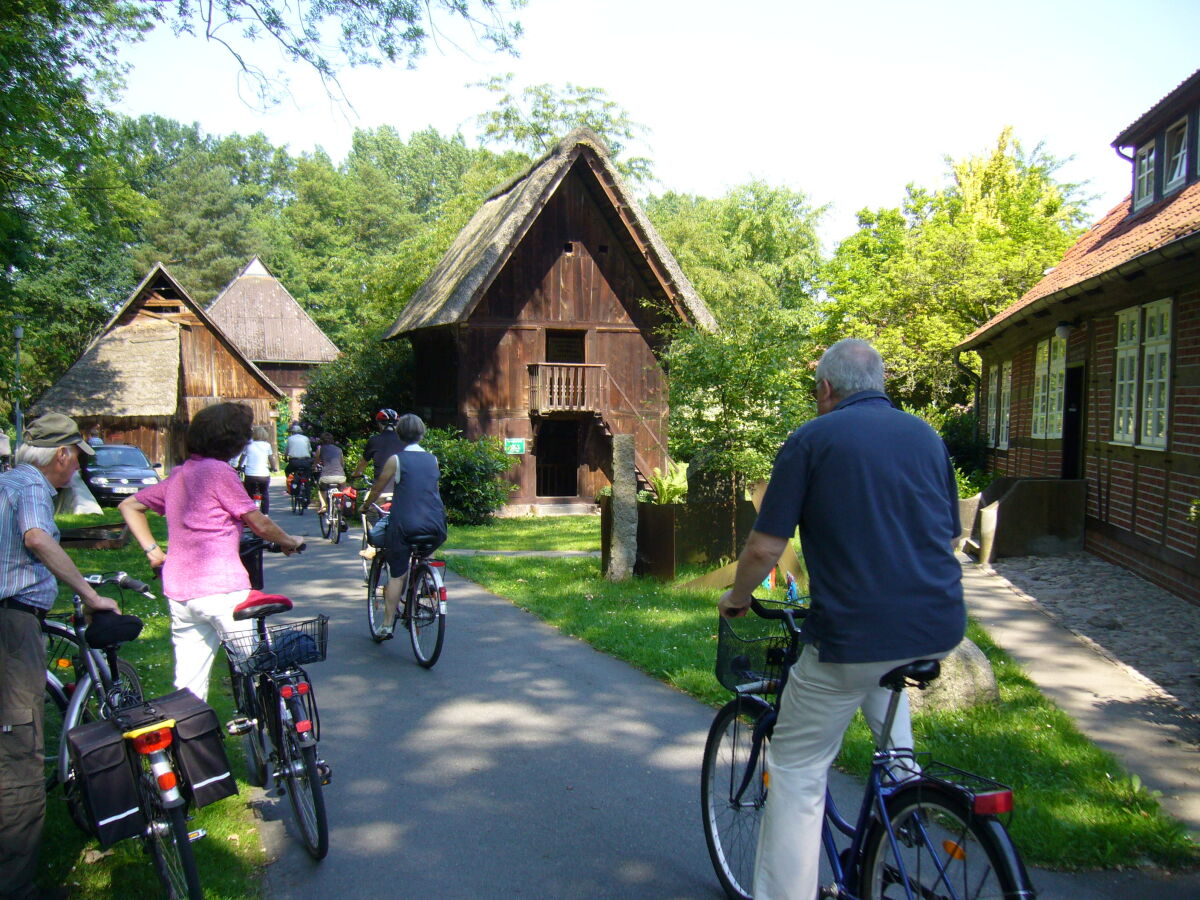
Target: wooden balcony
[{"x": 567, "y": 387}]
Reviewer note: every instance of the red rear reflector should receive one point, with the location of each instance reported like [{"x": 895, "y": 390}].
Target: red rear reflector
[
  {"x": 286, "y": 692},
  {"x": 442, "y": 594},
  {"x": 167, "y": 781},
  {"x": 304, "y": 726},
  {"x": 993, "y": 803},
  {"x": 153, "y": 741},
  {"x": 302, "y": 687}
]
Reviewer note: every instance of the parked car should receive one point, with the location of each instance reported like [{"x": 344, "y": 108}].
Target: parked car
[{"x": 116, "y": 471}]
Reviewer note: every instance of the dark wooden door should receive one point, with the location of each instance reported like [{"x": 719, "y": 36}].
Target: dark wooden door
[
  {"x": 557, "y": 452},
  {"x": 1072, "y": 434}
]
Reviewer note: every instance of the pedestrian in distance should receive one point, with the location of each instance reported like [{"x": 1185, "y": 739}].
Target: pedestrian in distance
[
  {"x": 31, "y": 565},
  {"x": 873, "y": 492}
]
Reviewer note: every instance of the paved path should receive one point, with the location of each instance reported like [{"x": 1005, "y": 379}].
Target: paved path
[{"x": 524, "y": 764}]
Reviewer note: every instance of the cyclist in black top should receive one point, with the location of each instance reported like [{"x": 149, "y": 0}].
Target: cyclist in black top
[{"x": 382, "y": 446}]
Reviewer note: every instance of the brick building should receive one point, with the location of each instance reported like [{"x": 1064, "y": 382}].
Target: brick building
[{"x": 1095, "y": 373}]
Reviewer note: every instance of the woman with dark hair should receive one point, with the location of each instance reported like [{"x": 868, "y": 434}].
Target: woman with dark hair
[
  {"x": 205, "y": 506},
  {"x": 332, "y": 464}
]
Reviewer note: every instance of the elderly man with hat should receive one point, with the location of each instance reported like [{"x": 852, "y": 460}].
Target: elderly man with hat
[{"x": 31, "y": 564}]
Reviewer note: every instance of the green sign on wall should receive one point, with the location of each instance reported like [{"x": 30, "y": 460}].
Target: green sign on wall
[{"x": 514, "y": 446}]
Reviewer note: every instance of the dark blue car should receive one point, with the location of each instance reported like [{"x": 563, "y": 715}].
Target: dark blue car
[{"x": 116, "y": 471}]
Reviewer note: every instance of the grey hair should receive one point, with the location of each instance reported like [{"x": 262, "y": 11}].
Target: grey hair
[
  {"x": 260, "y": 433},
  {"x": 851, "y": 365},
  {"x": 35, "y": 456},
  {"x": 410, "y": 428}
]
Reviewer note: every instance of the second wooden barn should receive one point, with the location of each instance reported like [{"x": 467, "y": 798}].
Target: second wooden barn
[
  {"x": 157, "y": 362},
  {"x": 542, "y": 322}
]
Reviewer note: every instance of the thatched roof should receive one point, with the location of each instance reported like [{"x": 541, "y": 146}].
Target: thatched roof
[
  {"x": 132, "y": 370},
  {"x": 133, "y": 367},
  {"x": 266, "y": 322},
  {"x": 463, "y": 275}
]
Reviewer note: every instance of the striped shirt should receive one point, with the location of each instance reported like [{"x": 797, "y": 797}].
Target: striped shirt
[{"x": 26, "y": 502}]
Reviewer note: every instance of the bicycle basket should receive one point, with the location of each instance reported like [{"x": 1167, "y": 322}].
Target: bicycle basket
[
  {"x": 287, "y": 644},
  {"x": 749, "y": 663}
]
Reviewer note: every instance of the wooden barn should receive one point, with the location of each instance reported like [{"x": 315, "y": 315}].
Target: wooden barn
[
  {"x": 272, "y": 330},
  {"x": 1094, "y": 374},
  {"x": 541, "y": 323},
  {"x": 157, "y": 362}
]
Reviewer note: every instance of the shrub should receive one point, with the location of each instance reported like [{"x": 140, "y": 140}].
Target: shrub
[
  {"x": 670, "y": 486},
  {"x": 957, "y": 426},
  {"x": 472, "y": 487}
]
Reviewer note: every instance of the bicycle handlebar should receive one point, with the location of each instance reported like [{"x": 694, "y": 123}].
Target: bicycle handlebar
[
  {"x": 123, "y": 580},
  {"x": 788, "y": 614}
]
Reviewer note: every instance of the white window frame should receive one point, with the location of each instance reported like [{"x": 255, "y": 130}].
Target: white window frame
[
  {"x": 1156, "y": 374},
  {"x": 1143, "y": 175},
  {"x": 1175, "y": 160},
  {"x": 1049, "y": 380},
  {"x": 1142, "y": 375},
  {"x": 993, "y": 397},
  {"x": 1125, "y": 375},
  {"x": 1005, "y": 404}
]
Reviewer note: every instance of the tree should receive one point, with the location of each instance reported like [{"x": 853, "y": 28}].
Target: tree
[
  {"x": 534, "y": 122},
  {"x": 917, "y": 279},
  {"x": 754, "y": 256}
]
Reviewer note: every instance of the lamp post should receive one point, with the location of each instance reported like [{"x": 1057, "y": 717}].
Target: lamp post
[{"x": 18, "y": 423}]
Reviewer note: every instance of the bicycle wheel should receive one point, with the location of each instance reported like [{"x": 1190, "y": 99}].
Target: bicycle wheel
[
  {"x": 304, "y": 787},
  {"x": 52, "y": 728},
  {"x": 942, "y": 850},
  {"x": 731, "y": 822},
  {"x": 426, "y": 616},
  {"x": 295, "y": 495},
  {"x": 245, "y": 698},
  {"x": 167, "y": 841},
  {"x": 325, "y": 518},
  {"x": 335, "y": 524},
  {"x": 366, "y": 563},
  {"x": 376, "y": 582}
]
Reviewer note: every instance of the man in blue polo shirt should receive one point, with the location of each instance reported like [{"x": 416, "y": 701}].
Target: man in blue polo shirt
[
  {"x": 873, "y": 493},
  {"x": 30, "y": 562}
]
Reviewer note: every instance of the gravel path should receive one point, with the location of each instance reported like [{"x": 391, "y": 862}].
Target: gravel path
[{"x": 1128, "y": 619}]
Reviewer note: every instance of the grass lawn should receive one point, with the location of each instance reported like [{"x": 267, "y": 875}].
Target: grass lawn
[
  {"x": 231, "y": 856},
  {"x": 1076, "y": 806},
  {"x": 529, "y": 533}
]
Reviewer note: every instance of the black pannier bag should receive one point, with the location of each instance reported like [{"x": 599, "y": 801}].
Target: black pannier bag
[
  {"x": 199, "y": 747},
  {"x": 106, "y": 781}
]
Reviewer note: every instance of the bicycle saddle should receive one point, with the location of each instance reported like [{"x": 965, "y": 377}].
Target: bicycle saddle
[
  {"x": 259, "y": 605},
  {"x": 109, "y": 629},
  {"x": 423, "y": 544},
  {"x": 920, "y": 672}
]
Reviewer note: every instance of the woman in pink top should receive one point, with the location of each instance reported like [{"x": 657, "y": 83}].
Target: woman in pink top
[{"x": 206, "y": 506}]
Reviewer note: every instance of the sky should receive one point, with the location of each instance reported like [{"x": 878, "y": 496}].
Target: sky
[{"x": 845, "y": 101}]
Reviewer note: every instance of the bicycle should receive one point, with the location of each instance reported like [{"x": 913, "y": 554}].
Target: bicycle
[
  {"x": 423, "y": 611},
  {"x": 301, "y": 490},
  {"x": 381, "y": 509},
  {"x": 277, "y": 707},
  {"x": 106, "y": 708},
  {"x": 936, "y": 835},
  {"x": 333, "y": 517}
]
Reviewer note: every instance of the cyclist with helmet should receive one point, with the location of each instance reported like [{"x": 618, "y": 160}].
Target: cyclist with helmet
[{"x": 382, "y": 446}]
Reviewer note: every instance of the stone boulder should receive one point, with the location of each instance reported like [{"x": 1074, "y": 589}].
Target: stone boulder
[{"x": 967, "y": 680}]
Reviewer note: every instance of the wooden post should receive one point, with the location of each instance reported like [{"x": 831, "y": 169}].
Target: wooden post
[{"x": 624, "y": 510}]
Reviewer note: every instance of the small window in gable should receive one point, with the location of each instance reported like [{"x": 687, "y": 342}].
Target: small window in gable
[
  {"x": 1177, "y": 156},
  {"x": 1143, "y": 176}
]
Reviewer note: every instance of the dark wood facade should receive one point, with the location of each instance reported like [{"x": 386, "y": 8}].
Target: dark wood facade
[{"x": 559, "y": 352}]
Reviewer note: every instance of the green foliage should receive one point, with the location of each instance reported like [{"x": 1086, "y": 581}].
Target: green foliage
[
  {"x": 1194, "y": 511},
  {"x": 343, "y": 396},
  {"x": 971, "y": 483},
  {"x": 754, "y": 256},
  {"x": 471, "y": 485},
  {"x": 916, "y": 280},
  {"x": 670, "y": 486},
  {"x": 535, "y": 121}
]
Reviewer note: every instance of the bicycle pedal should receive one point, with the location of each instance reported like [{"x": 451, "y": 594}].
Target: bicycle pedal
[
  {"x": 196, "y": 834},
  {"x": 324, "y": 771},
  {"x": 240, "y": 725}
]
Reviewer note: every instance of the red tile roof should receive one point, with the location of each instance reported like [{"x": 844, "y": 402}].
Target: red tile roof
[{"x": 1116, "y": 239}]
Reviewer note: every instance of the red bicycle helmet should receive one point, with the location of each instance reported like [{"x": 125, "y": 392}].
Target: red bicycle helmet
[{"x": 387, "y": 417}]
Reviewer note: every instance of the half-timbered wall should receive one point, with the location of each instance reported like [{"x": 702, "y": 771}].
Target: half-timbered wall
[{"x": 1138, "y": 497}]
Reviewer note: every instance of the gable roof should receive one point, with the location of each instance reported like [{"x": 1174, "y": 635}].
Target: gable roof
[
  {"x": 132, "y": 369},
  {"x": 266, "y": 322},
  {"x": 1115, "y": 246},
  {"x": 1161, "y": 113},
  {"x": 465, "y": 272}
]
